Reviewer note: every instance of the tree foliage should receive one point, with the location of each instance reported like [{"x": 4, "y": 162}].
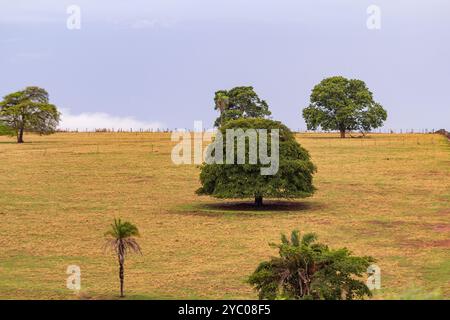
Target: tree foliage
[
  {"x": 239, "y": 181},
  {"x": 306, "y": 269},
  {"x": 239, "y": 102},
  {"x": 29, "y": 110},
  {"x": 341, "y": 104},
  {"x": 5, "y": 130},
  {"x": 121, "y": 238}
]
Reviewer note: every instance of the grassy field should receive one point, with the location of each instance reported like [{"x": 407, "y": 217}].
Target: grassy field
[{"x": 387, "y": 196}]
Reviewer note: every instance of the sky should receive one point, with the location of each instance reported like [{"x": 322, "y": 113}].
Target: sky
[{"x": 157, "y": 63}]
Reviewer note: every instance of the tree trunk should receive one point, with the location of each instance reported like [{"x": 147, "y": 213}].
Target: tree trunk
[
  {"x": 342, "y": 133},
  {"x": 20, "y": 136},
  {"x": 121, "y": 281},
  {"x": 258, "y": 201},
  {"x": 121, "y": 271}
]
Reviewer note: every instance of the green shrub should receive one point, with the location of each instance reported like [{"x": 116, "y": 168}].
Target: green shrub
[{"x": 309, "y": 270}]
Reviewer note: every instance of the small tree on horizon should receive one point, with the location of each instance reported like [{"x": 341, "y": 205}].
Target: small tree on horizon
[
  {"x": 29, "y": 110},
  {"x": 121, "y": 240},
  {"x": 241, "y": 181},
  {"x": 239, "y": 102},
  {"x": 341, "y": 104}
]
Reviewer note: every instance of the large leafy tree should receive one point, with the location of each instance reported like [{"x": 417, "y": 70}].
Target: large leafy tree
[
  {"x": 306, "y": 269},
  {"x": 239, "y": 181},
  {"x": 29, "y": 110},
  {"x": 121, "y": 238},
  {"x": 239, "y": 102},
  {"x": 342, "y": 104}
]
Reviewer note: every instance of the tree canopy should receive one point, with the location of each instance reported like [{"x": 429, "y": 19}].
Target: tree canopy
[
  {"x": 5, "y": 130},
  {"x": 306, "y": 270},
  {"x": 239, "y": 102},
  {"x": 239, "y": 181},
  {"x": 342, "y": 104},
  {"x": 29, "y": 110}
]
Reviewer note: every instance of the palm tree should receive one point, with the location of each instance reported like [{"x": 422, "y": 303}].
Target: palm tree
[{"x": 121, "y": 240}]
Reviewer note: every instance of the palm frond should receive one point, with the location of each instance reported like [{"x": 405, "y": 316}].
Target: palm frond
[
  {"x": 122, "y": 230},
  {"x": 120, "y": 237},
  {"x": 295, "y": 235},
  {"x": 309, "y": 238}
]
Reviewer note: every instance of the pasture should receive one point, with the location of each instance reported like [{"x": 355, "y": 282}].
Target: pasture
[{"x": 387, "y": 196}]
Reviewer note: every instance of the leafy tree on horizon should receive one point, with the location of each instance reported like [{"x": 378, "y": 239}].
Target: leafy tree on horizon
[
  {"x": 241, "y": 181},
  {"x": 121, "y": 238},
  {"x": 307, "y": 270},
  {"x": 239, "y": 102},
  {"x": 29, "y": 110},
  {"x": 341, "y": 104}
]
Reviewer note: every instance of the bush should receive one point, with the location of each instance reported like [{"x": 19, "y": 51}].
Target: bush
[{"x": 306, "y": 270}]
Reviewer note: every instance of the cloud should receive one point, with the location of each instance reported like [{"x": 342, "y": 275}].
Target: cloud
[{"x": 101, "y": 120}]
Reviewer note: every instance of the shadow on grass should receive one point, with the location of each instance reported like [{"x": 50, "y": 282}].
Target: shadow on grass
[
  {"x": 25, "y": 143},
  {"x": 270, "y": 207}
]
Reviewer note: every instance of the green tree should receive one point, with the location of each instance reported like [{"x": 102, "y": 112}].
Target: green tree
[
  {"x": 239, "y": 181},
  {"x": 121, "y": 239},
  {"x": 309, "y": 270},
  {"x": 341, "y": 104},
  {"x": 29, "y": 110},
  {"x": 239, "y": 102}
]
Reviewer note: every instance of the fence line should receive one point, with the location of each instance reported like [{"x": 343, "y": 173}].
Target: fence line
[{"x": 169, "y": 130}]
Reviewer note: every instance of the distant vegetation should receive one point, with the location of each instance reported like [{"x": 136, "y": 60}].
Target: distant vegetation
[
  {"x": 28, "y": 110},
  {"x": 239, "y": 102},
  {"x": 344, "y": 105},
  {"x": 444, "y": 133}
]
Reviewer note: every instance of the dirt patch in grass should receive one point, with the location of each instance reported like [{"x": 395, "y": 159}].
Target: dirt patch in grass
[
  {"x": 387, "y": 224},
  {"x": 442, "y": 243},
  {"x": 441, "y": 227},
  {"x": 412, "y": 243}
]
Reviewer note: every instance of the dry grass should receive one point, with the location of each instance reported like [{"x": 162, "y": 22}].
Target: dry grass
[{"x": 387, "y": 196}]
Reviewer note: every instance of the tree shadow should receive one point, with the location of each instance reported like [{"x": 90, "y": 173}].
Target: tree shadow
[
  {"x": 32, "y": 142},
  {"x": 270, "y": 207}
]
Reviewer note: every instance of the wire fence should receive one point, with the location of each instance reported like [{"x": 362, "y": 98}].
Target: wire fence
[{"x": 169, "y": 130}]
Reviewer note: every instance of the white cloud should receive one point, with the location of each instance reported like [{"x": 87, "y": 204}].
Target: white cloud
[{"x": 101, "y": 120}]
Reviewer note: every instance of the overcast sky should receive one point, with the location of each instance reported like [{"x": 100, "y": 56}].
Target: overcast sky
[{"x": 158, "y": 63}]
